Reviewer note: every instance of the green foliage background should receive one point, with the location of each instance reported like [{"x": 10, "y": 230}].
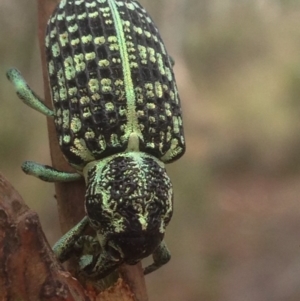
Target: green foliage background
[{"x": 235, "y": 234}]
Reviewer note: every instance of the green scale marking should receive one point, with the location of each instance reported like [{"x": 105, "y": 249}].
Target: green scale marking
[{"x": 118, "y": 119}]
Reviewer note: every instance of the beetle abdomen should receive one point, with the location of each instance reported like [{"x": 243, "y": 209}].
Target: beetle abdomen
[{"x": 111, "y": 76}]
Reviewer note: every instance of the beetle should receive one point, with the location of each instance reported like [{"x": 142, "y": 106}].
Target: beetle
[{"x": 118, "y": 119}]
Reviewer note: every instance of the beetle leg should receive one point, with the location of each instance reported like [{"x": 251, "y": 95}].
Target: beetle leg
[
  {"x": 64, "y": 247},
  {"x": 25, "y": 93},
  {"x": 160, "y": 257},
  {"x": 48, "y": 173},
  {"x": 87, "y": 244},
  {"x": 98, "y": 266},
  {"x": 94, "y": 262},
  {"x": 87, "y": 247}
]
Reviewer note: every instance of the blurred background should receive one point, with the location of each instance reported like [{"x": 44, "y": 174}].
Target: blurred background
[{"x": 235, "y": 234}]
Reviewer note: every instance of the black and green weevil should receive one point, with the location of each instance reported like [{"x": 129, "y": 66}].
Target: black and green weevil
[{"x": 118, "y": 120}]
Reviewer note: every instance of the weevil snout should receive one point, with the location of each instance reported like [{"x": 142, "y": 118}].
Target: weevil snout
[{"x": 133, "y": 247}]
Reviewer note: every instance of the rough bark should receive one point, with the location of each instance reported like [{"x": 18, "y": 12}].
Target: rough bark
[{"x": 28, "y": 267}]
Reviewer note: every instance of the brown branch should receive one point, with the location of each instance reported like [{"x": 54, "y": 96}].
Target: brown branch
[
  {"x": 28, "y": 267},
  {"x": 70, "y": 196}
]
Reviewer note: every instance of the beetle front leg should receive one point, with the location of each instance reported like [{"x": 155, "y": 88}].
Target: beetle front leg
[
  {"x": 87, "y": 247},
  {"x": 97, "y": 267},
  {"x": 160, "y": 257},
  {"x": 25, "y": 93},
  {"x": 65, "y": 246}
]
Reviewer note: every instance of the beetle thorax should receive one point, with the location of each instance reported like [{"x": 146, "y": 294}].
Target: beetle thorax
[{"x": 128, "y": 193}]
